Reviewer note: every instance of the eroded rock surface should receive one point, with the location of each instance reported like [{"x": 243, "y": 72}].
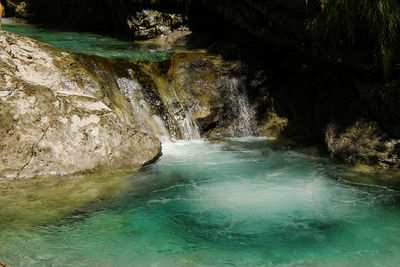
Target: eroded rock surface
[{"x": 58, "y": 119}]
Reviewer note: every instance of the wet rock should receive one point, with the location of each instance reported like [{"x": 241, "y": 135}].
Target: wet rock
[
  {"x": 207, "y": 89},
  {"x": 191, "y": 95},
  {"x": 58, "y": 119},
  {"x": 363, "y": 142}
]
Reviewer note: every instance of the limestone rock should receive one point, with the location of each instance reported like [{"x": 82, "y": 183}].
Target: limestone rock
[{"x": 58, "y": 119}]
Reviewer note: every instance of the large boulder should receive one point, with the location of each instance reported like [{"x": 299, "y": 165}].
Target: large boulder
[{"x": 57, "y": 118}]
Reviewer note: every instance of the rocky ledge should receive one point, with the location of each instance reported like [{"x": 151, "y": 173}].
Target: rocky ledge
[{"x": 57, "y": 118}]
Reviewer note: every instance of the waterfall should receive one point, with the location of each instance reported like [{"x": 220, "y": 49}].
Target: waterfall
[
  {"x": 188, "y": 128},
  {"x": 144, "y": 115},
  {"x": 242, "y": 114},
  {"x": 167, "y": 127},
  {"x": 171, "y": 119}
]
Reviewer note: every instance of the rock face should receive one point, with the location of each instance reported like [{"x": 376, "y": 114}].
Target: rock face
[
  {"x": 209, "y": 90},
  {"x": 159, "y": 28},
  {"x": 190, "y": 95},
  {"x": 58, "y": 119},
  {"x": 363, "y": 142},
  {"x": 64, "y": 113}
]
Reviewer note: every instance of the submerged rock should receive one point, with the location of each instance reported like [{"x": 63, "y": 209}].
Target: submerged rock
[{"x": 58, "y": 118}]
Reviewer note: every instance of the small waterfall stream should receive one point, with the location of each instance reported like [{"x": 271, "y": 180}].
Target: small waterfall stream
[
  {"x": 243, "y": 123},
  {"x": 143, "y": 113},
  {"x": 188, "y": 127},
  {"x": 159, "y": 125},
  {"x": 240, "y": 121}
]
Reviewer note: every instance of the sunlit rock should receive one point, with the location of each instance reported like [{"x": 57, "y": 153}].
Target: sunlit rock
[{"x": 58, "y": 119}]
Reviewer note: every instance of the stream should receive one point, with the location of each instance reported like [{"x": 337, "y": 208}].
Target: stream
[{"x": 237, "y": 202}]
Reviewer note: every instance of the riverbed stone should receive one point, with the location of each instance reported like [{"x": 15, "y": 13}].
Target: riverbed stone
[{"x": 58, "y": 119}]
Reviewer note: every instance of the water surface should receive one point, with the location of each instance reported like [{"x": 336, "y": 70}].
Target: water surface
[
  {"x": 244, "y": 202},
  {"x": 234, "y": 203},
  {"x": 89, "y": 43}
]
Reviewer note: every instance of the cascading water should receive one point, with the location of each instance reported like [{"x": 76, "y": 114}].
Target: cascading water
[
  {"x": 188, "y": 127},
  {"x": 147, "y": 120},
  {"x": 243, "y": 115},
  {"x": 150, "y": 122},
  {"x": 179, "y": 122},
  {"x": 176, "y": 119},
  {"x": 240, "y": 121}
]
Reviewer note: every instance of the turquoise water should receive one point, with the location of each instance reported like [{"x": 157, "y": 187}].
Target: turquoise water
[
  {"x": 234, "y": 203},
  {"x": 243, "y": 202},
  {"x": 89, "y": 43}
]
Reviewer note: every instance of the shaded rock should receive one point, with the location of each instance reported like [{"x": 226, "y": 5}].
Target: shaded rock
[
  {"x": 17, "y": 8},
  {"x": 272, "y": 125},
  {"x": 363, "y": 142},
  {"x": 58, "y": 119},
  {"x": 159, "y": 28}
]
